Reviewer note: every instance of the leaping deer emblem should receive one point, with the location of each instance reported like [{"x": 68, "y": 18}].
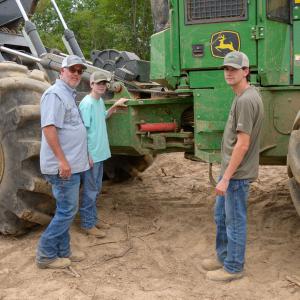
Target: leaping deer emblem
[{"x": 221, "y": 38}]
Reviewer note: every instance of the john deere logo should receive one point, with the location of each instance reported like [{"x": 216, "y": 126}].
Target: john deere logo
[{"x": 223, "y": 42}]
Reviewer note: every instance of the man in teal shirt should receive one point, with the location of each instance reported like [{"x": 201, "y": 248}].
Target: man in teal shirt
[{"x": 94, "y": 117}]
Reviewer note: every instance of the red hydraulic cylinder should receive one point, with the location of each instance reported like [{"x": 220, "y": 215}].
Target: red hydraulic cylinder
[{"x": 158, "y": 127}]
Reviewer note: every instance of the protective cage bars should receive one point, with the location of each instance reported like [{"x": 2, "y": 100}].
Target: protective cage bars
[{"x": 212, "y": 11}]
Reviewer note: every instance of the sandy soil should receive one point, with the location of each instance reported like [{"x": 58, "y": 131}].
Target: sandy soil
[{"x": 161, "y": 229}]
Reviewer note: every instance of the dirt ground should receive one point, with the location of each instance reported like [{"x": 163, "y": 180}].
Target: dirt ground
[{"x": 161, "y": 228}]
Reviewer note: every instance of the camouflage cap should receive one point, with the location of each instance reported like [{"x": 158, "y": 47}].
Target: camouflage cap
[
  {"x": 72, "y": 60},
  {"x": 236, "y": 59},
  {"x": 98, "y": 77}
]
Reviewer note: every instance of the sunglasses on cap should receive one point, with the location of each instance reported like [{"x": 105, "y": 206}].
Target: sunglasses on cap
[{"x": 73, "y": 69}]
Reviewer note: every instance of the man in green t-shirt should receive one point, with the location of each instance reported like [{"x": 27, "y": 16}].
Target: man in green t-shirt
[
  {"x": 240, "y": 161},
  {"x": 94, "y": 117}
]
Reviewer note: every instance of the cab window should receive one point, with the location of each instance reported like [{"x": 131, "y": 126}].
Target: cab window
[{"x": 279, "y": 10}]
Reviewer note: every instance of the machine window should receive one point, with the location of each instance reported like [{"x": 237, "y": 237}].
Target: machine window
[
  {"x": 278, "y": 10},
  {"x": 213, "y": 11}
]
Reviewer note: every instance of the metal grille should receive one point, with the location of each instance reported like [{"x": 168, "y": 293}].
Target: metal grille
[{"x": 209, "y": 11}]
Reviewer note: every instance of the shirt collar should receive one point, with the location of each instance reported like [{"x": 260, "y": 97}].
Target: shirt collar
[{"x": 61, "y": 83}]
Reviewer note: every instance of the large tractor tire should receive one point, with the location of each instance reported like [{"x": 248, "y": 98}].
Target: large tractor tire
[
  {"x": 293, "y": 163},
  {"x": 25, "y": 197}
]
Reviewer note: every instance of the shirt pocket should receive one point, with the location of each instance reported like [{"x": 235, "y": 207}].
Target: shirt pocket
[
  {"x": 75, "y": 116},
  {"x": 72, "y": 115}
]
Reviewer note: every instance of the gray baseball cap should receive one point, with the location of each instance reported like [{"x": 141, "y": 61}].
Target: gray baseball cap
[
  {"x": 72, "y": 60},
  {"x": 236, "y": 59},
  {"x": 98, "y": 77}
]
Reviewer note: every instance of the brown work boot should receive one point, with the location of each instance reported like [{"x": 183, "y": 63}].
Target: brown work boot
[
  {"x": 102, "y": 225},
  {"x": 95, "y": 232},
  {"x": 211, "y": 264},
  {"x": 77, "y": 256},
  {"x": 223, "y": 275},
  {"x": 58, "y": 263}
]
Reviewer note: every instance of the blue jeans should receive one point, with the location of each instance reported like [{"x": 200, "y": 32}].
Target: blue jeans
[
  {"x": 231, "y": 221},
  {"x": 55, "y": 241},
  {"x": 92, "y": 184}
]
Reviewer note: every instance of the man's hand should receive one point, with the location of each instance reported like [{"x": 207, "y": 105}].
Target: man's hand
[
  {"x": 118, "y": 104},
  {"x": 64, "y": 169},
  {"x": 121, "y": 102},
  {"x": 222, "y": 186},
  {"x": 91, "y": 162}
]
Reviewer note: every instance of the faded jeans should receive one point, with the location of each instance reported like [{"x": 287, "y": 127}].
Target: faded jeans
[
  {"x": 55, "y": 241},
  {"x": 231, "y": 221},
  {"x": 92, "y": 184}
]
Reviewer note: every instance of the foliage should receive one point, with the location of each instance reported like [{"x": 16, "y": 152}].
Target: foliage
[{"x": 98, "y": 24}]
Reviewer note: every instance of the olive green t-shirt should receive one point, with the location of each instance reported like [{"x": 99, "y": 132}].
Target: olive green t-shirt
[{"x": 246, "y": 115}]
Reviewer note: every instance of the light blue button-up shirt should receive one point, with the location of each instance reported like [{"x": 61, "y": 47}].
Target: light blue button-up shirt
[{"x": 58, "y": 108}]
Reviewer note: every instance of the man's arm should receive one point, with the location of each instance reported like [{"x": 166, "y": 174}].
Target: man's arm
[
  {"x": 239, "y": 150},
  {"x": 85, "y": 111},
  {"x": 113, "y": 109},
  {"x": 50, "y": 133}
]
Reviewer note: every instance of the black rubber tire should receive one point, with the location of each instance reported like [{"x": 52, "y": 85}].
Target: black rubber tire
[
  {"x": 293, "y": 163},
  {"x": 25, "y": 197}
]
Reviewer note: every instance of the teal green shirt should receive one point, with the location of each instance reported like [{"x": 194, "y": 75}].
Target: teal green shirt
[{"x": 94, "y": 114}]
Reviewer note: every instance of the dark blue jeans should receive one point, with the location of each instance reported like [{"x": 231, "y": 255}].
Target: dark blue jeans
[
  {"x": 92, "y": 184},
  {"x": 231, "y": 221},
  {"x": 55, "y": 241}
]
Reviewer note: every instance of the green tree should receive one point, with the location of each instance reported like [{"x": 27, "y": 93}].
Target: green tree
[{"x": 98, "y": 24}]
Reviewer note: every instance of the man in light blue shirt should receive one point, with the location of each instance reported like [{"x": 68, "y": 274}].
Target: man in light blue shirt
[
  {"x": 63, "y": 158},
  {"x": 94, "y": 116}
]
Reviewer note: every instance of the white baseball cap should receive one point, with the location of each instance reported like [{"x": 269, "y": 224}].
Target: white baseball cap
[{"x": 72, "y": 60}]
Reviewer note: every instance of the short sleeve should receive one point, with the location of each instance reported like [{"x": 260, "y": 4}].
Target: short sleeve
[
  {"x": 103, "y": 109},
  {"x": 244, "y": 116},
  {"x": 85, "y": 111},
  {"x": 52, "y": 111}
]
